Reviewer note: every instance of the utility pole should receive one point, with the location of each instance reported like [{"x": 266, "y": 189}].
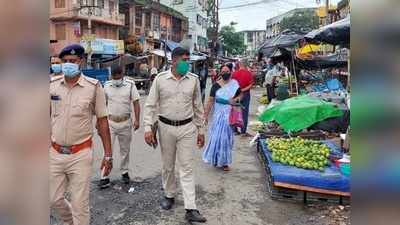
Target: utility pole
[
  {"x": 213, "y": 14},
  {"x": 90, "y": 6},
  {"x": 89, "y": 59},
  {"x": 327, "y": 12}
]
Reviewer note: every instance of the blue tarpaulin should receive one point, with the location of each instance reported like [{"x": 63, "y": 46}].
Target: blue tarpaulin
[
  {"x": 329, "y": 85},
  {"x": 171, "y": 45},
  {"x": 99, "y": 74},
  {"x": 330, "y": 179}
]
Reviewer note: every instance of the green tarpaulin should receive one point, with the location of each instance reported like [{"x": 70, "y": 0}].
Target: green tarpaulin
[{"x": 297, "y": 113}]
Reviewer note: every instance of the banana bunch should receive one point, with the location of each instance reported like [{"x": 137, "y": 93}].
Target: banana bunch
[{"x": 263, "y": 100}]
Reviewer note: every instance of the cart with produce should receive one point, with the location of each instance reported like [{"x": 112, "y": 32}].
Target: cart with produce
[{"x": 305, "y": 170}]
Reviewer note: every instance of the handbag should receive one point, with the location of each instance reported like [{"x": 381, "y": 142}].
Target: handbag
[{"x": 236, "y": 117}]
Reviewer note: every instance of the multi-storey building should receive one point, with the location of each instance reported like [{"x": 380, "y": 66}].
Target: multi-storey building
[
  {"x": 195, "y": 11},
  {"x": 69, "y": 21},
  {"x": 273, "y": 24},
  {"x": 151, "y": 22},
  {"x": 253, "y": 39}
]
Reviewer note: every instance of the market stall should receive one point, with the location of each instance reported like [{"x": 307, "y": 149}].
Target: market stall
[{"x": 315, "y": 167}]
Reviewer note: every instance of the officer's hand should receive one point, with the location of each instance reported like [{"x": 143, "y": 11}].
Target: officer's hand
[
  {"x": 136, "y": 125},
  {"x": 200, "y": 140},
  {"x": 107, "y": 165},
  {"x": 149, "y": 138}
]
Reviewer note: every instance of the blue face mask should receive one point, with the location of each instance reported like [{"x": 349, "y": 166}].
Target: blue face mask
[
  {"x": 56, "y": 68},
  {"x": 70, "y": 69}
]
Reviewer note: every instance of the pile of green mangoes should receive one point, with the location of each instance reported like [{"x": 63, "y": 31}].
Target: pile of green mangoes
[{"x": 299, "y": 152}]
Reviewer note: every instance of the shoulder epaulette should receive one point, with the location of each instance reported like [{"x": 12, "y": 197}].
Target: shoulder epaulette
[
  {"x": 91, "y": 80},
  {"x": 56, "y": 78},
  {"x": 129, "y": 81},
  {"x": 193, "y": 75},
  {"x": 163, "y": 73}
]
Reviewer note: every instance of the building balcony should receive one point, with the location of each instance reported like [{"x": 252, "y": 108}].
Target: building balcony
[{"x": 74, "y": 12}]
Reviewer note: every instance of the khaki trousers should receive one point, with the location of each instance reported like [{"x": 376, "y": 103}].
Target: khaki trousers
[
  {"x": 71, "y": 172},
  {"x": 122, "y": 131},
  {"x": 177, "y": 144}
]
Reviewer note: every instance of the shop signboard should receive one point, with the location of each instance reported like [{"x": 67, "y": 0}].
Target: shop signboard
[{"x": 105, "y": 46}]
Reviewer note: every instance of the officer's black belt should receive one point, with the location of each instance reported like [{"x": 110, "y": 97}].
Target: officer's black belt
[{"x": 175, "y": 123}]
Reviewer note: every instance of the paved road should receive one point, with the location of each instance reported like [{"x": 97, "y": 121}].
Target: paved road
[{"x": 238, "y": 197}]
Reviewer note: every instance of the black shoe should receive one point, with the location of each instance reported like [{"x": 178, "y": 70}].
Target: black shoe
[
  {"x": 125, "y": 178},
  {"x": 167, "y": 203},
  {"x": 193, "y": 215},
  {"x": 104, "y": 183}
]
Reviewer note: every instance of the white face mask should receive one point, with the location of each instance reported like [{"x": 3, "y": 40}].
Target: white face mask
[{"x": 117, "y": 82}]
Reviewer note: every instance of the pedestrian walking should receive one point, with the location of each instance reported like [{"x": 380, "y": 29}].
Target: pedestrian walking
[
  {"x": 121, "y": 95},
  {"x": 246, "y": 81},
  {"x": 224, "y": 93},
  {"x": 175, "y": 95},
  {"x": 74, "y": 100},
  {"x": 203, "y": 75}
]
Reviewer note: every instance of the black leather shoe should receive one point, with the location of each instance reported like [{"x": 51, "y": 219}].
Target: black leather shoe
[
  {"x": 193, "y": 215},
  {"x": 125, "y": 178},
  {"x": 105, "y": 183},
  {"x": 167, "y": 203}
]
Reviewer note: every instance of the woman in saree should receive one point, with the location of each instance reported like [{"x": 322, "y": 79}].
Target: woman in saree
[{"x": 225, "y": 92}]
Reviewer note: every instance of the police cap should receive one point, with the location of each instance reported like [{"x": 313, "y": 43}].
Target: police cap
[{"x": 73, "y": 49}]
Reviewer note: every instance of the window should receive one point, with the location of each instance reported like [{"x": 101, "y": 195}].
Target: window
[
  {"x": 199, "y": 19},
  {"x": 250, "y": 37},
  {"x": 111, "y": 8},
  {"x": 205, "y": 23},
  {"x": 138, "y": 16},
  {"x": 147, "y": 20},
  {"x": 176, "y": 2},
  {"x": 60, "y": 32},
  {"x": 156, "y": 21},
  {"x": 60, "y": 3},
  {"x": 100, "y": 4}
]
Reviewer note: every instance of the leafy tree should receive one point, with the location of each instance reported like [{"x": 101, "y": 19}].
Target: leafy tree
[
  {"x": 300, "y": 22},
  {"x": 232, "y": 41}
]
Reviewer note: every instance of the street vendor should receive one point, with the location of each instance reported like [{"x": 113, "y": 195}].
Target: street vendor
[{"x": 271, "y": 79}]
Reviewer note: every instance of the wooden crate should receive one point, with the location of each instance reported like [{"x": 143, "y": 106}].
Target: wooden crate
[
  {"x": 297, "y": 193},
  {"x": 315, "y": 135}
]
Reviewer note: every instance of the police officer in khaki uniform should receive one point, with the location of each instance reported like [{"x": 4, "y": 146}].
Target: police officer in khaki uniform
[
  {"x": 121, "y": 94},
  {"x": 175, "y": 95},
  {"x": 75, "y": 99},
  {"x": 55, "y": 67}
]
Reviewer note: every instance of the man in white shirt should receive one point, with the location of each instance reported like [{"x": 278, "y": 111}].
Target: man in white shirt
[{"x": 271, "y": 79}]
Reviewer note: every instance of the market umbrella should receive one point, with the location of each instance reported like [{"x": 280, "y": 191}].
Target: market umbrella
[
  {"x": 309, "y": 48},
  {"x": 337, "y": 33},
  {"x": 286, "y": 40},
  {"x": 297, "y": 113},
  {"x": 321, "y": 62}
]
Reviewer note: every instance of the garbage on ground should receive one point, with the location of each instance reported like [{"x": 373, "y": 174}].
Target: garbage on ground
[{"x": 131, "y": 190}]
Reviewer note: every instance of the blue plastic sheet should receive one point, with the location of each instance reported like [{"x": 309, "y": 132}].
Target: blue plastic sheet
[
  {"x": 99, "y": 74},
  {"x": 330, "y": 179},
  {"x": 329, "y": 85},
  {"x": 334, "y": 84}
]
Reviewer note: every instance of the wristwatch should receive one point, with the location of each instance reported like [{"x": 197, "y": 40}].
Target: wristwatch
[{"x": 108, "y": 158}]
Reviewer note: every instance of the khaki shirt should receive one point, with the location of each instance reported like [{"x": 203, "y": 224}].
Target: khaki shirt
[
  {"x": 119, "y": 99},
  {"x": 72, "y": 109},
  {"x": 175, "y": 100}
]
